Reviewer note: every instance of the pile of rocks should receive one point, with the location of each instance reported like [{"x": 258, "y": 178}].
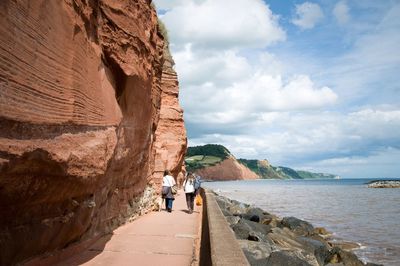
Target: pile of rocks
[
  {"x": 384, "y": 184},
  {"x": 269, "y": 240}
]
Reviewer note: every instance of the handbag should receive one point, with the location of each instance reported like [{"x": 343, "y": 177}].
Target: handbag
[
  {"x": 199, "y": 200},
  {"x": 174, "y": 188}
]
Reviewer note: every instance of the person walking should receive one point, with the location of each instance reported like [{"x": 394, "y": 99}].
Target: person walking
[
  {"x": 189, "y": 189},
  {"x": 167, "y": 195},
  {"x": 197, "y": 184}
]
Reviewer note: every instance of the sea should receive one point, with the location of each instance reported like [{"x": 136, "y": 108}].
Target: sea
[{"x": 346, "y": 207}]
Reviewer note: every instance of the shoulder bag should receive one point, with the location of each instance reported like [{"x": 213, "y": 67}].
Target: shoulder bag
[{"x": 174, "y": 188}]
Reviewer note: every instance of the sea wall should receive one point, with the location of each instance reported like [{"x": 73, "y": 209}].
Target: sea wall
[{"x": 83, "y": 90}]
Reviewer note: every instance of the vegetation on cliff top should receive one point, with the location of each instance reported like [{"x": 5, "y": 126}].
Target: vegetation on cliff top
[
  {"x": 209, "y": 150},
  {"x": 203, "y": 156},
  {"x": 267, "y": 171},
  {"x": 163, "y": 30}
]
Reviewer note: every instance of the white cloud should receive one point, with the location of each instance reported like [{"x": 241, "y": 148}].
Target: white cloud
[
  {"x": 341, "y": 12},
  {"x": 220, "y": 24},
  {"x": 198, "y": 67},
  {"x": 308, "y": 15},
  {"x": 258, "y": 93}
]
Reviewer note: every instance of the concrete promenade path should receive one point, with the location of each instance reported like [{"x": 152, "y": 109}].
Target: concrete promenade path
[{"x": 157, "y": 238}]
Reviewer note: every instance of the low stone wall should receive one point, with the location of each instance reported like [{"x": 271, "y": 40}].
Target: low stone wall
[{"x": 219, "y": 245}]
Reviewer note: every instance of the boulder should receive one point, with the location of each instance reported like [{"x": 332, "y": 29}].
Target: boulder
[
  {"x": 287, "y": 258},
  {"x": 337, "y": 255},
  {"x": 237, "y": 208},
  {"x": 321, "y": 231},
  {"x": 284, "y": 238},
  {"x": 262, "y": 228},
  {"x": 256, "y": 236},
  {"x": 249, "y": 230},
  {"x": 223, "y": 202},
  {"x": 255, "y": 252},
  {"x": 241, "y": 230},
  {"x": 298, "y": 226},
  {"x": 318, "y": 248},
  {"x": 255, "y": 214},
  {"x": 271, "y": 220},
  {"x": 232, "y": 220},
  {"x": 226, "y": 213}
]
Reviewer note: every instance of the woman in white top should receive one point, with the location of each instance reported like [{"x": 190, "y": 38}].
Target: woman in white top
[
  {"x": 168, "y": 182},
  {"x": 188, "y": 186}
]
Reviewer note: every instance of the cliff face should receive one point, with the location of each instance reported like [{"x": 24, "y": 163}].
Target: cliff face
[
  {"x": 228, "y": 169},
  {"x": 81, "y": 87},
  {"x": 170, "y": 137}
]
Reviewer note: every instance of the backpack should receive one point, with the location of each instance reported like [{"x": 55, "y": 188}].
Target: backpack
[{"x": 197, "y": 183}]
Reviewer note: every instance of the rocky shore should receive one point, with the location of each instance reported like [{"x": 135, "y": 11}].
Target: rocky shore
[
  {"x": 269, "y": 240},
  {"x": 384, "y": 184}
]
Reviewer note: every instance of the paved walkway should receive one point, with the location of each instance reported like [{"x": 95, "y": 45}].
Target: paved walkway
[{"x": 157, "y": 238}]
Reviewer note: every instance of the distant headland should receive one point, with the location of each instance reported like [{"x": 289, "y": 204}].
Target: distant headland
[{"x": 216, "y": 162}]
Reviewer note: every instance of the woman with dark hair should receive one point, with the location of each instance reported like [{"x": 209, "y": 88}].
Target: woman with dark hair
[
  {"x": 188, "y": 186},
  {"x": 167, "y": 195}
]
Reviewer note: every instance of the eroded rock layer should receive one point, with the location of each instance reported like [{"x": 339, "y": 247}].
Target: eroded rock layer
[
  {"x": 80, "y": 99},
  {"x": 228, "y": 169},
  {"x": 170, "y": 142}
]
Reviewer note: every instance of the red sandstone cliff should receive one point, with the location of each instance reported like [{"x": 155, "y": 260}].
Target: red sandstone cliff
[
  {"x": 228, "y": 169},
  {"x": 170, "y": 138},
  {"x": 81, "y": 132}
]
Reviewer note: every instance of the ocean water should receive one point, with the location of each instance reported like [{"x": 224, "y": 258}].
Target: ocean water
[{"x": 346, "y": 207}]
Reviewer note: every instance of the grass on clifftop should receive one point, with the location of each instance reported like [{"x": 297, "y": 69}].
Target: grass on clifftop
[
  {"x": 203, "y": 156},
  {"x": 200, "y": 161},
  {"x": 163, "y": 30},
  {"x": 209, "y": 150}
]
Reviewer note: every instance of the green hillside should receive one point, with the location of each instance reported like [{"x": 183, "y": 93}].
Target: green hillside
[
  {"x": 263, "y": 169},
  {"x": 209, "y": 150},
  {"x": 203, "y": 156},
  {"x": 310, "y": 175}
]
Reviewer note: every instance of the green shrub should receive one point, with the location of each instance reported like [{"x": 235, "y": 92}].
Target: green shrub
[
  {"x": 209, "y": 150},
  {"x": 163, "y": 30}
]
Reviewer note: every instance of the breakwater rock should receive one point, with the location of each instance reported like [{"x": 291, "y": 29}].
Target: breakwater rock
[
  {"x": 267, "y": 239},
  {"x": 384, "y": 184}
]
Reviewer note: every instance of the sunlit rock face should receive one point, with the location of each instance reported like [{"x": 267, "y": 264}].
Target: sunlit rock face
[
  {"x": 228, "y": 169},
  {"x": 171, "y": 142},
  {"x": 82, "y": 84}
]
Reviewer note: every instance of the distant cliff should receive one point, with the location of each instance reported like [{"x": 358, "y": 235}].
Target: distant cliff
[
  {"x": 215, "y": 162},
  {"x": 89, "y": 119},
  {"x": 212, "y": 162},
  {"x": 265, "y": 170}
]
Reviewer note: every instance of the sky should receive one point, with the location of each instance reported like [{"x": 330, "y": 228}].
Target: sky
[{"x": 311, "y": 85}]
